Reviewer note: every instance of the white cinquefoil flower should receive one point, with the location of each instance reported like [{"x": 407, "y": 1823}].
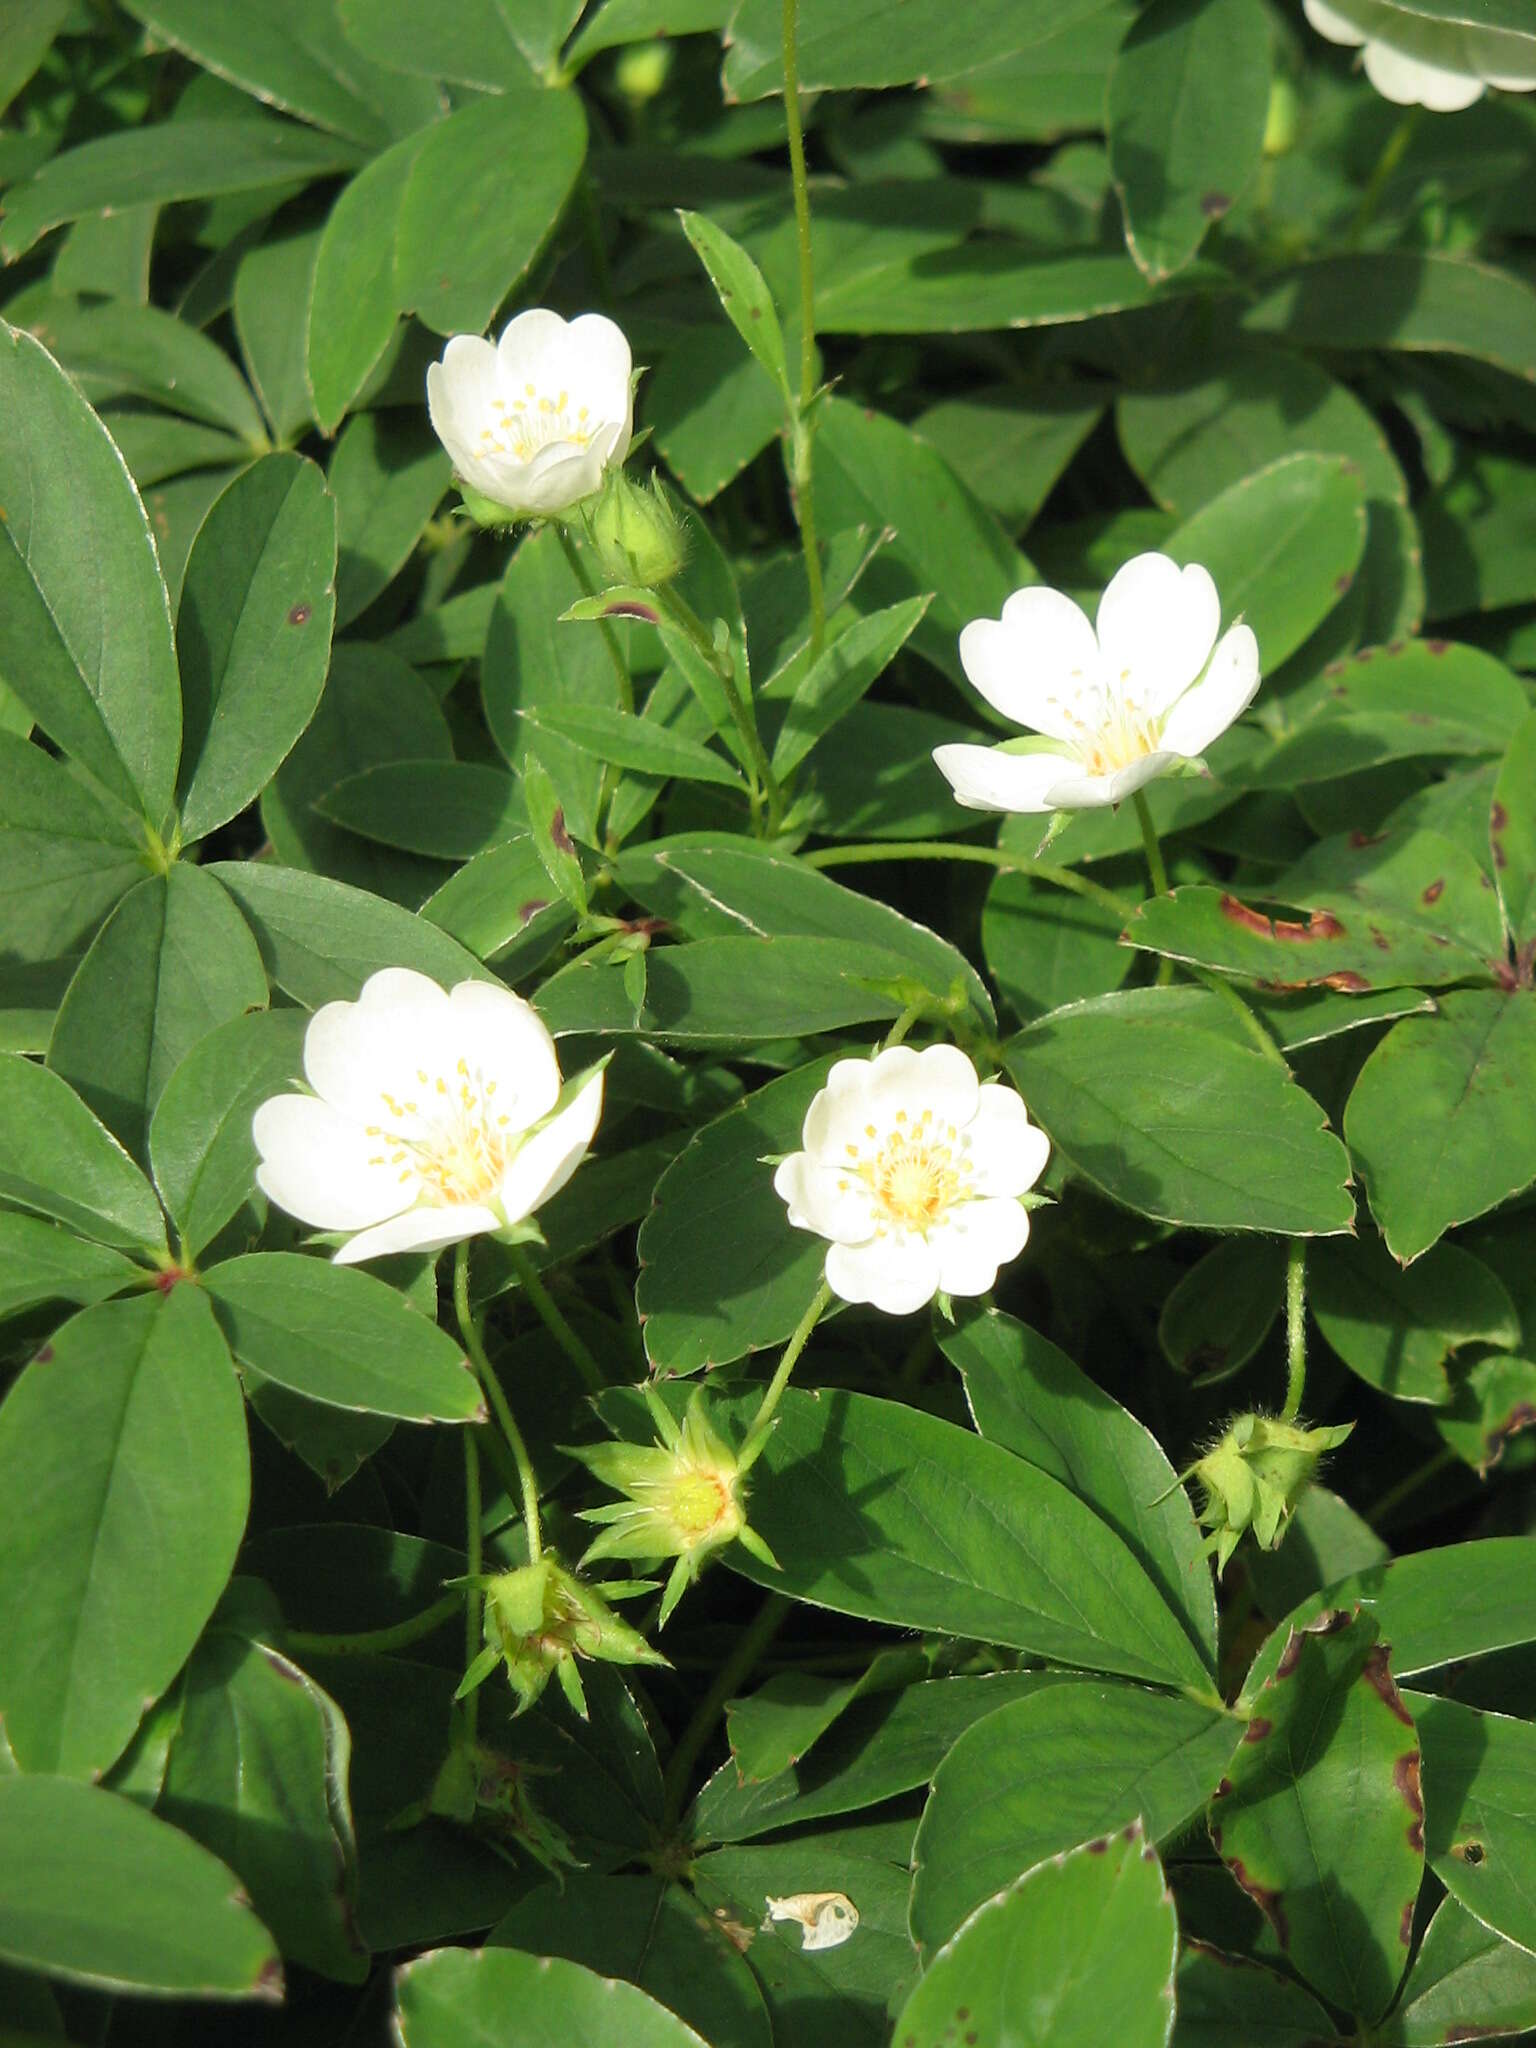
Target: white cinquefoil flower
[
  {"x": 1148, "y": 692},
  {"x": 533, "y": 422},
  {"x": 436, "y": 1115},
  {"x": 913, "y": 1167},
  {"x": 1416, "y": 60}
]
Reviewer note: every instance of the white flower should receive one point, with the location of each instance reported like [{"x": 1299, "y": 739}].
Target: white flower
[
  {"x": 437, "y": 1114},
  {"x": 1420, "y": 62},
  {"x": 1115, "y": 708},
  {"x": 913, "y": 1168},
  {"x": 533, "y": 422}
]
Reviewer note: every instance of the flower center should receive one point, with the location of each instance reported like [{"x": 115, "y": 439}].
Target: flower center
[
  {"x": 700, "y": 1502},
  {"x": 919, "y": 1171},
  {"x": 457, "y": 1148},
  {"x": 523, "y": 425},
  {"x": 1110, "y": 726}
]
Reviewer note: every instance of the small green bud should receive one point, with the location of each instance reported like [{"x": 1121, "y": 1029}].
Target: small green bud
[
  {"x": 642, "y": 71},
  {"x": 1254, "y": 1477},
  {"x": 1283, "y": 120},
  {"x": 637, "y": 537},
  {"x": 538, "y": 1620}
]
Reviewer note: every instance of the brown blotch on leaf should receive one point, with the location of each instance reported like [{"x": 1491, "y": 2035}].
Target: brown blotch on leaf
[
  {"x": 1258, "y": 1728},
  {"x": 1097, "y": 1846},
  {"x": 1405, "y": 1924},
  {"x": 561, "y": 839},
  {"x": 1437, "y": 646},
  {"x": 1361, "y": 839},
  {"x": 1346, "y": 981},
  {"x": 1250, "y": 920},
  {"x": 43, "y": 1357},
  {"x": 1435, "y": 890},
  {"x": 1265, "y": 1897},
  {"x": 1405, "y": 1776},
  {"x": 629, "y": 608},
  {"x": 1471, "y": 1852},
  {"x": 281, "y": 1666},
  {"x": 526, "y": 912},
  {"x": 1376, "y": 1674},
  {"x": 1342, "y": 583},
  {"x": 1521, "y": 1416},
  {"x": 1214, "y": 204},
  {"x": 299, "y": 616}
]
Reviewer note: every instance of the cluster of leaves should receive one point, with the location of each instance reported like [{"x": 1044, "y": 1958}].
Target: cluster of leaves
[{"x": 1088, "y": 279}]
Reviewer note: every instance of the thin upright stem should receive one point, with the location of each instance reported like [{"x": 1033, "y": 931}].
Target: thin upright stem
[
  {"x": 1156, "y": 871},
  {"x": 1391, "y": 156},
  {"x": 375, "y": 1642},
  {"x": 801, "y": 439},
  {"x": 610, "y": 641},
  {"x": 1295, "y": 1327},
  {"x": 750, "y": 1645},
  {"x": 862, "y": 853},
  {"x": 757, "y": 1435},
  {"x": 687, "y": 620},
  {"x": 469, "y": 1707},
  {"x": 1220, "y": 986},
  {"x": 469, "y": 1331},
  {"x": 548, "y": 1311}
]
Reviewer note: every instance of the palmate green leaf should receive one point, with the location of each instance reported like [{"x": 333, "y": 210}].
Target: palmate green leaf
[
  {"x": 840, "y": 677},
  {"x": 1512, "y": 833},
  {"x": 1222, "y": 1999},
  {"x": 1397, "y": 1329},
  {"x": 387, "y": 476},
  {"x": 1037, "y": 1777},
  {"x": 466, "y": 235},
  {"x": 1186, "y": 102},
  {"x": 1177, "y": 1121},
  {"x": 85, "y": 635},
  {"x": 1479, "y": 1813},
  {"x": 1429, "y": 1121},
  {"x": 335, "y": 1334},
  {"x": 168, "y": 160},
  {"x": 1320, "y": 1817},
  {"x": 1464, "y": 1975},
  {"x": 744, "y": 296},
  {"x": 172, "y": 961},
  {"x": 848, "y": 43},
  {"x": 258, "y": 1774},
  {"x": 450, "y": 809},
  {"x": 55, "y": 1157},
  {"x": 1434, "y": 1607},
  {"x": 97, "y": 1891},
  {"x": 41, "y": 1262},
  {"x": 1028, "y": 1396},
  {"x": 881, "y": 1511},
  {"x": 647, "y": 1932},
  {"x": 1080, "y": 1951},
  {"x": 115, "y": 349},
  {"x": 460, "y": 1998},
  {"x": 66, "y": 857},
  {"x": 253, "y": 635},
  {"x": 1283, "y": 545},
  {"x": 125, "y": 1486}
]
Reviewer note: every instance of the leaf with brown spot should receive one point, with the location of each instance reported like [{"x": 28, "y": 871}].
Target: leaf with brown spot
[{"x": 1480, "y": 1818}]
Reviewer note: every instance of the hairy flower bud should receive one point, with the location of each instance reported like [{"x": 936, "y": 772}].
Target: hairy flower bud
[
  {"x": 638, "y": 537},
  {"x": 538, "y": 1620},
  {"x": 1254, "y": 1477}
]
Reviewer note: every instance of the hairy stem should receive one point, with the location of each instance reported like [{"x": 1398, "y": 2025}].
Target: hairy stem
[
  {"x": 1295, "y": 1327},
  {"x": 550, "y": 1315},
  {"x": 803, "y": 434},
  {"x": 757, "y": 1435},
  {"x": 469, "y": 1707},
  {"x": 1156, "y": 871},
  {"x": 750, "y": 1645},
  {"x": 687, "y": 620},
  {"x": 469, "y": 1331},
  {"x": 377, "y": 1641}
]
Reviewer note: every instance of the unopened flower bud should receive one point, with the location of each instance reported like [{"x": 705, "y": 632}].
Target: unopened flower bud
[
  {"x": 538, "y": 1620},
  {"x": 637, "y": 536},
  {"x": 1254, "y": 1477}
]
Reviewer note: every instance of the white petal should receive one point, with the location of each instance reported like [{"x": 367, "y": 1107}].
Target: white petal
[
  {"x": 1157, "y": 626},
  {"x": 1220, "y": 697},
  {"x": 418, "y": 1230},
  {"x": 1330, "y": 23},
  {"x": 542, "y": 1166},
  {"x": 863, "y": 1099},
  {"x": 1412, "y": 82},
  {"x": 548, "y": 487},
  {"x": 504, "y": 1039},
  {"x": 896, "y": 1273},
  {"x": 1032, "y": 663},
  {"x": 834, "y": 1204},
  {"x": 1007, "y": 1152},
  {"x": 974, "y": 1239},
  {"x": 530, "y": 343},
  {"x": 357, "y": 1053},
  {"x": 987, "y": 779},
  {"x": 318, "y": 1165},
  {"x": 601, "y": 358}
]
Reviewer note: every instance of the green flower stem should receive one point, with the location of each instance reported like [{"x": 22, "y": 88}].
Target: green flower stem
[
  {"x": 610, "y": 639},
  {"x": 377, "y": 1642},
  {"x": 738, "y": 1667},
  {"x": 1220, "y": 986},
  {"x": 800, "y": 447},
  {"x": 757, "y": 1435},
  {"x": 909, "y": 1016},
  {"x": 687, "y": 620},
  {"x": 1391, "y": 156},
  {"x": 469, "y": 1707},
  {"x": 985, "y": 856},
  {"x": 1155, "y": 869},
  {"x": 469, "y": 1332},
  {"x": 1295, "y": 1327},
  {"x": 549, "y": 1314}
]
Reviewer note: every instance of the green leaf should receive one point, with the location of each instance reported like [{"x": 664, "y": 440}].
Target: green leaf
[
  {"x": 1041, "y": 1775},
  {"x": 30, "y": 34},
  {"x": 459, "y": 1998},
  {"x": 66, "y": 857},
  {"x": 85, "y": 633},
  {"x": 649, "y": 1933},
  {"x": 126, "y": 1481},
  {"x": 172, "y": 961},
  {"x": 55, "y": 1157},
  {"x": 388, "y": 476},
  {"x": 1223, "y": 1999},
  {"x": 1397, "y": 1329},
  {"x": 630, "y": 742},
  {"x": 183, "y": 159},
  {"x": 467, "y": 233},
  {"x": 474, "y": 42},
  {"x": 1477, "y": 531},
  {"x": 114, "y": 348},
  {"x": 844, "y": 671},
  {"x": 552, "y": 843},
  {"x": 1177, "y": 1121},
  {"x": 744, "y": 296},
  {"x": 618, "y": 22},
  {"x": 1320, "y": 1819},
  {"x": 451, "y": 809},
  {"x": 500, "y": 905},
  {"x": 712, "y": 410},
  {"x": 1186, "y": 101},
  {"x": 200, "y": 1145},
  {"x": 1029, "y": 1397},
  {"x": 1219, "y": 1313},
  {"x": 97, "y": 1891},
  {"x": 846, "y": 43},
  {"x": 878, "y": 1510},
  {"x": 258, "y": 1775},
  {"x": 253, "y": 635},
  {"x": 41, "y": 1262},
  {"x": 1080, "y": 1951},
  {"x": 1512, "y": 833},
  {"x": 1428, "y": 1121},
  {"x": 721, "y": 1271},
  {"x": 1045, "y": 948},
  {"x": 338, "y": 1335},
  {"x": 353, "y": 305},
  {"x": 1282, "y": 545},
  {"x": 321, "y": 940},
  {"x": 1463, "y": 1975},
  {"x": 1405, "y": 299},
  {"x": 983, "y": 287},
  {"x": 1010, "y": 447},
  {"x": 271, "y": 280},
  {"x": 1479, "y": 1825}
]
